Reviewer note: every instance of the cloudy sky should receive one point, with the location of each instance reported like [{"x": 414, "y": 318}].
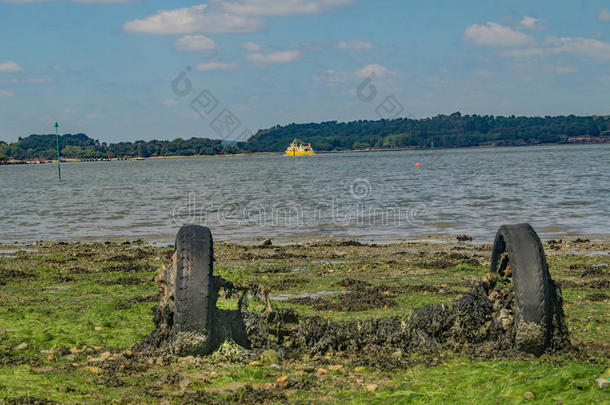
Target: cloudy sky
[{"x": 144, "y": 69}]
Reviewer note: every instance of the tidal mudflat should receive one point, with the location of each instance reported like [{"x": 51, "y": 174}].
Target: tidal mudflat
[{"x": 71, "y": 314}]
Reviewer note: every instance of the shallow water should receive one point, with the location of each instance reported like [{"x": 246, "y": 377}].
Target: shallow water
[{"x": 371, "y": 196}]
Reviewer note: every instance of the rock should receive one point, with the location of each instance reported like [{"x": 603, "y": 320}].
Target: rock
[
  {"x": 21, "y": 346},
  {"x": 98, "y": 328},
  {"x": 188, "y": 360},
  {"x": 105, "y": 355},
  {"x": 94, "y": 370},
  {"x": 50, "y": 357},
  {"x": 270, "y": 357},
  {"x": 397, "y": 354},
  {"x": 275, "y": 366},
  {"x": 266, "y": 243},
  {"x": 282, "y": 379},
  {"x": 70, "y": 357},
  {"x": 464, "y": 238},
  {"x": 322, "y": 371},
  {"x": 603, "y": 383},
  {"x": 335, "y": 367},
  {"x": 371, "y": 387},
  {"x": 528, "y": 395},
  {"x": 128, "y": 353},
  {"x": 96, "y": 360}
]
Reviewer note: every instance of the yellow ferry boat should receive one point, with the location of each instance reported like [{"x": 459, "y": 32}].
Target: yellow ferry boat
[{"x": 299, "y": 149}]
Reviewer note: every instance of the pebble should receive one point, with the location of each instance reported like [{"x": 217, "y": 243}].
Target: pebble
[
  {"x": 529, "y": 395},
  {"x": 322, "y": 371},
  {"x": 270, "y": 357},
  {"x": 105, "y": 355},
  {"x": 50, "y": 357},
  {"x": 371, "y": 387},
  {"x": 187, "y": 360},
  {"x": 94, "y": 370},
  {"x": 282, "y": 379},
  {"x": 603, "y": 383},
  {"x": 21, "y": 346},
  {"x": 335, "y": 367},
  {"x": 397, "y": 354}
]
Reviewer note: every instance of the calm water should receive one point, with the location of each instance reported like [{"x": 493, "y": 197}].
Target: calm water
[{"x": 371, "y": 196}]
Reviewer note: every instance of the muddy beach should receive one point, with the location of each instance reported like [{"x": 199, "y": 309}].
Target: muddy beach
[{"x": 76, "y": 323}]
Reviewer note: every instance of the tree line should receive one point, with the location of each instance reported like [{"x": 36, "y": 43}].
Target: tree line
[
  {"x": 445, "y": 131},
  {"x": 448, "y": 131},
  {"x": 80, "y": 146}
]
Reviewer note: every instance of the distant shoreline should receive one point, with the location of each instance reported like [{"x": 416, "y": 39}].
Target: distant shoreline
[{"x": 598, "y": 141}]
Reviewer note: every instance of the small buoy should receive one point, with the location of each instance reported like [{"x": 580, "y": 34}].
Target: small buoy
[{"x": 416, "y": 164}]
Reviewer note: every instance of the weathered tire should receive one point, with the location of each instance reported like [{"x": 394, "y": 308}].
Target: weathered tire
[
  {"x": 195, "y": 300},
  {"x": 520, "y": 245}
]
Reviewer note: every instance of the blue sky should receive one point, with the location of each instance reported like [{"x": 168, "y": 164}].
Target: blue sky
[{"x": 106, "y": 67}]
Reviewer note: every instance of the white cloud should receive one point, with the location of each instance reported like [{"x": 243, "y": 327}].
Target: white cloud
[
  {"x": 6, "y": 93},
  {"x": 562, "y": 70},
  {"x": 375, "y": 70},
  {"x": 604, "y": 15},
  {"x": 492, "y": 34},
  {"x": 210, "y": 66},
  {"x": 251, "y": 46},
  {"x": 10, "y": 67},
  {"x": 29, "y": 80},
  {"x": 532, "y": 23},
  {"x": 584, "y": 47},
  {"x": 483, "y": 74},
  {"x": 194, "y": 43},
  {"x": 333, "y": 78},
  {"x": 523, "y": 53},
  {"x": 170, "y": 102},
  {"x": 275, "y": 57},
  {"x": 355, "y": 45},
  {"x": 103, "y": 1},
  {"x": 280, "y": 7},
  {"x": 75, "y": 1},
  {"x": 36, "y": 80},
  {"x": 193, "y": 19},
  {"x": 58, "y": 69}
]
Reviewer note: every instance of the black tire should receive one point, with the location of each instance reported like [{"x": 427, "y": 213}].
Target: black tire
[
  {"x": 195, "y": 300},
  {"x": 519, "y": 247}
]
